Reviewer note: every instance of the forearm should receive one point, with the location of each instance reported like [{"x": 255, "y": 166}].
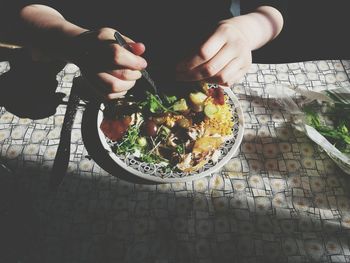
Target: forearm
[
  {"x": 45, "y": 28},
  {"x": 260, "y": 26},
  {"x": 45, "y": 19}
]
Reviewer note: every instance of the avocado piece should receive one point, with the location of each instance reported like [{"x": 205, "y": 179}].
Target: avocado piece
[
  {"x": 197, "y": 100},
  {"x": 180, "y": 105},
  {"x": 210, "y": 110}
]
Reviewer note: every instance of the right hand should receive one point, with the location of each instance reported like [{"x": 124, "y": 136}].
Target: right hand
[{"x": 111, "y": 69}]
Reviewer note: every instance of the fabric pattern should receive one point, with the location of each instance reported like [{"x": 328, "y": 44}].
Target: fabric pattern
[{"x": 280, "y": 199}]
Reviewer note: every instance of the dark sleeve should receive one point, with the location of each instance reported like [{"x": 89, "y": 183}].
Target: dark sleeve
[
  {"x": 248, "y": 6},
  {"x": 10, "y": 9},
  {"x": 274, "y": 51},
  {"x": 9, "y": 15},
  {"x": 18, "y": 4}
]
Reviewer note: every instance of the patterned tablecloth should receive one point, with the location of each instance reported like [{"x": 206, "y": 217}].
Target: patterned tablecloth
[{"x": 280, "y": 199}]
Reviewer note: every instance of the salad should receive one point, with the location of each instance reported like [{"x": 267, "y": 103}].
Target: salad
[
  {"x": 176, "y": 132},
  {"x": 333, "y": 124}
]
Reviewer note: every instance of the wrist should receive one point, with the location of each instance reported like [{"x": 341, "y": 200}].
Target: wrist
[
  {"x": 59, "y": 42},
  {"x": 72, "y": 30},
  {"x": 80, "y": 47},
  {"x": 238, "y": 29},
  {"x": 258, "y": 27}
]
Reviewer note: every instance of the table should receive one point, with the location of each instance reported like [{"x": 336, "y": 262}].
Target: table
[{"x": 280, "y": 199}]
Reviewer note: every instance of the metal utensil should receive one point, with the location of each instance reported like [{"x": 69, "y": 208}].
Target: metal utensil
[
  {"x": 63, "y": 152},
  {"x": 121, "y": 41}
]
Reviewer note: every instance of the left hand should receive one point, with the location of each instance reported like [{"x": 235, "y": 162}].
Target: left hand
[{"x": 223, "y": 58}]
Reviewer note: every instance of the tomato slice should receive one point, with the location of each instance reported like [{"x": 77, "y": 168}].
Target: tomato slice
[
  {"x": 113, "y": 129},
  {"x": 218, "y": 95}
]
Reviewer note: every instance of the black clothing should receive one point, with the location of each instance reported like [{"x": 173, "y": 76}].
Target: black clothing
[
  {"x": 313, "y": 29},
  {"x": 169, "y": 29},
  {"x": 248, "y": 6}
]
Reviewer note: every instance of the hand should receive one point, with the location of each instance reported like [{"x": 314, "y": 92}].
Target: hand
[
  {"x": 111, "y": 69},
  {"x": 223, "y": 59}
]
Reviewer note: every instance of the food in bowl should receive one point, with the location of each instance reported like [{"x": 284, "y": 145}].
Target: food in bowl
[{"x": 178, "y": 132}]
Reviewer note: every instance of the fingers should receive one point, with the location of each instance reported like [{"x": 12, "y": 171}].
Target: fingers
[
  {"x": 109, "y": 87},
  {"x": 111, "y": 68},
  {"x": 231, "y": 73},
  {"x": 137, "y": 48},
  {"x": 123, "y": 58},
  {"x": 225, "y": 76},
  {"x": 208, "y": 50},
  {"x": 210, "y": 68},
  {"x": 126, "y": 74},
  {"x": 224, "y": 58},
  {"x": 238, "y": 77},
  {"x": 113, "y": 96},
  {"x": 114, "y": 85},
  {"x": 103, "y": 53},
  {"x": 226, "y": 67}
]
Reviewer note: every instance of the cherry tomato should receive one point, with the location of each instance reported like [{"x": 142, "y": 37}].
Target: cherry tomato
[
  {"x": 114, "y": 129},
  {"x": 150, "y": 128}
]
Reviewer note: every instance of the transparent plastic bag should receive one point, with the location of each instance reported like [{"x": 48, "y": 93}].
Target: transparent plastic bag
[{"x": 286, "y": 96}]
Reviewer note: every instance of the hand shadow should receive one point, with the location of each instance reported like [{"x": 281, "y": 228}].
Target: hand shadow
[{"x": 28, "y": 89}]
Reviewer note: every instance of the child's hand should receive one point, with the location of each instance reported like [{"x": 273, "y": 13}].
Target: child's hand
[
  {"x": 223, "y": 59},
  {"x": 112, "y": 69}
]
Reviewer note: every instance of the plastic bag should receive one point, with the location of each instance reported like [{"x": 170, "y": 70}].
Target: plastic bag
[{"x": 284, "y": 95}]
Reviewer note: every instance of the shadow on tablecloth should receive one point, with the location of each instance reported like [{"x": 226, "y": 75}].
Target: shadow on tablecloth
[{"x": 95, "y": 149}]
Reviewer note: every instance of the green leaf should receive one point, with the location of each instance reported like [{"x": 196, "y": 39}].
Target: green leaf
[
  {"x": 339, "y": 135},
  {"x": 343, "y": 129},
  {"x": 164, "y": 132},
  {"x": 312, "y": 118},
  {"x": 170, "y": 99},
  {"x": 346, "y": 139},
  {"x": 153, "y": 104},
  {"x": 129, "y": 143},
  {"x": 180, "y": 149},
  {"x": 153, "y": 158}
]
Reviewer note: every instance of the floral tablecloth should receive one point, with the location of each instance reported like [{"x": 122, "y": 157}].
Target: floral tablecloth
[{"x": 280, "y": 199}]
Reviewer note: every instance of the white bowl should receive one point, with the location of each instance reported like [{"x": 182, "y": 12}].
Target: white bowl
[{"x": 153, "y": 172}]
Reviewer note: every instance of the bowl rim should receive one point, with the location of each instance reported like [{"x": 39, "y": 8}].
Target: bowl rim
[{"x": 196, "y": 176}]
